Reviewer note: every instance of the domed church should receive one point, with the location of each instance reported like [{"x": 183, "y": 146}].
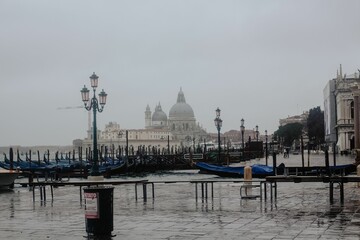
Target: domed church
[
  {"x": 157, "y": 120},
  {"x": 181, "y": 122}
]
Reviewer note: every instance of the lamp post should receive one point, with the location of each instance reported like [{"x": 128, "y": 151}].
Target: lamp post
[
  {"x": 257, "y": 132},
  {"x": 266, "y": 147},
  {"x": 218, "y": 124},
  {"x": 93, "y": 104},
  {"x": 242, "y": 129}
]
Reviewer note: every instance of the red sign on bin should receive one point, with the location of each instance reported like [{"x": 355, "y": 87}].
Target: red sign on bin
[{"x": 91, "y": 205}]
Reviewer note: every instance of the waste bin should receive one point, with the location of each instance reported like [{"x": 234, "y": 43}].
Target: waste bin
[{"x": 99, "y": 218}]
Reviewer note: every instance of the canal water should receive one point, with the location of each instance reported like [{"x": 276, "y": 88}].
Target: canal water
[{"x": 301, "y": 211}]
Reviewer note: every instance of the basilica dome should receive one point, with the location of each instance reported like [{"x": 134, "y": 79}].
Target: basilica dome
[
  {"x": 159, "y": 115},
  {"x": 181, "y": 109}
]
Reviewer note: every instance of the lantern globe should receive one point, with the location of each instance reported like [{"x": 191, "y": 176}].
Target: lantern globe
[
  {"x": 85, "y": 94},
  {"x": 218, "y": 112},
  {"x": 94, "y": 80},
  {"x": 102, "y": 98}
]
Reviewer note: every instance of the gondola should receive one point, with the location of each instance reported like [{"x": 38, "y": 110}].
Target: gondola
[
  {"x": 63, "y": 166},
  {"x": 258, "y": 170}
]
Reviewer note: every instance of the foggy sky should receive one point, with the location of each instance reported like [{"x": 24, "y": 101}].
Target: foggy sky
[{"x": 257, "y": 60}]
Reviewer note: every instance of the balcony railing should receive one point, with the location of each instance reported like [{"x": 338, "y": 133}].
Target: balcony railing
[{"x": 345, "y": 122}]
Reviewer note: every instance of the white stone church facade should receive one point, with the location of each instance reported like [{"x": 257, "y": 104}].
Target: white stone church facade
[
  {"x": 181, "y": 122},
  {"x": 179, "y": 129}
]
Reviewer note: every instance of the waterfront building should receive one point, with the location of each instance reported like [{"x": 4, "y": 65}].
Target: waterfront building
[
  {"x": 178, "y": 130},
  {"x": 158, "y": 120},
  {"x": 329, "y": 112},
  {"x": 302, "y": 118},
  {"x": 111, "y": 131},
  {"x": 340, "y": 114},
  {"x": 181, "y": 122},
  {"x": 114, "y": 137},
  {"x": 233, "y": 138}
]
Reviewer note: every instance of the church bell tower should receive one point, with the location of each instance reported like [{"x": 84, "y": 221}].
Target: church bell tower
[{"x": 147, "y": 117}]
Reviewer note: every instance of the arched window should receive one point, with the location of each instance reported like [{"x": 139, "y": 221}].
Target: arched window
[{"x": 352, "y": 110}]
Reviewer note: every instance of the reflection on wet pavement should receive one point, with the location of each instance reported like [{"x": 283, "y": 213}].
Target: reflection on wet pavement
[{"x": 301, "y": 211}]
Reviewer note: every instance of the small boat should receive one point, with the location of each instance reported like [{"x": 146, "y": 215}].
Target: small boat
[
  {"x": 111, "y": 166},
  {"x": 7, "y": 178},
  {"x": 258, "y": 170}
]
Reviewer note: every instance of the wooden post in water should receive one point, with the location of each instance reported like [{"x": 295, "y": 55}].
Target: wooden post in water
[
  {"x": 29, "y": 159},
  {"x": 168, "y": 144},
  {"x": 48, "y": 156},
  {"x": 11, "y": 155},
  {"x": 274, "y": 163},
  {"x": 327, "y": 163},
  {"x": 334, "y": 153},
  {"x": 308, "y": 155},
  {"x": 302, "y": 151},
  {"x": 81, "y": 162},
  {"x": 38, "y": 153}
]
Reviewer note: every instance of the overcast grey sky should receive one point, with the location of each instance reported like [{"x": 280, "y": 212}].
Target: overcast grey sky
[{"x": 257, "y": 60}]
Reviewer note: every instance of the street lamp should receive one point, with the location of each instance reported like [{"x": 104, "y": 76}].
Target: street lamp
[
  {"x": 242, "y": 129},
  {"x": 218, "y": 124},
  {"x": 266, "y": 147},
  {"x": 93, "y": 104},
  {"x": 257, "y": 132}
]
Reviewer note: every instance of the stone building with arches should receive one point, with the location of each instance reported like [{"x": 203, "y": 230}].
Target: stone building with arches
[{"x": 341, "y": 113}]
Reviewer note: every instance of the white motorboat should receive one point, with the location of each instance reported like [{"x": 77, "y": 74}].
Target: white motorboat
[{"x": 7, "y": 177}]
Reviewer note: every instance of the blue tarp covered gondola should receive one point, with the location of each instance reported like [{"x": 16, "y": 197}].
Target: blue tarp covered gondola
[{"x": 258, "y": 170}]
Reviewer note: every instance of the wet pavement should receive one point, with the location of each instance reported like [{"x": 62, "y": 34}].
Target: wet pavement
[{"x": 301, "y": 211}]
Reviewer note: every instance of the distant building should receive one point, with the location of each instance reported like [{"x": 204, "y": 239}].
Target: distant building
[
  {"x": 157, "y": 120},
  {"x": 330, "y": 112},
  {"x": 339, "y": 110},
  {"x": 111, "y": 131},
  {"x": 179, "y": 129},
  {"x": 181, "y": 122},
  {"x": 302, "y": 118},
  {"x": 234, "y": 139}
]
